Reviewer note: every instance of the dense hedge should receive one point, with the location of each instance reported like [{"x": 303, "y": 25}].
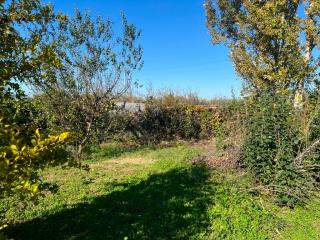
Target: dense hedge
[{"x": 159, "y": 122}]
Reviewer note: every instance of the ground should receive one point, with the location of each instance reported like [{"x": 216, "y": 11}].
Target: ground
[{"x": 158, "y": 193}]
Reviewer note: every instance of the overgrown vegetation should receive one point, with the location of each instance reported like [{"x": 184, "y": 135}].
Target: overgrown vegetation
[
  {"x": 280, "y": 70},
  {"x": 270, "y": 150},
  {"x": 159, "y": 122},
  {"x": 26, "y": 55},
  {"x": 64, "y": 85}
]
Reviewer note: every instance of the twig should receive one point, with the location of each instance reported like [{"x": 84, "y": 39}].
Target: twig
[{"x": 308, "y": 150}]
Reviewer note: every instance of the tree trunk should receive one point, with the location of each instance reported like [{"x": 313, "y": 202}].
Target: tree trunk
[
  {"x": 298, "y": 100},
  {"x": 79, "y": 153}
]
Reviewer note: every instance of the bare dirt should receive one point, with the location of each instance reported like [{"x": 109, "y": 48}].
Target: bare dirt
[{"x": 226, "y": 159}]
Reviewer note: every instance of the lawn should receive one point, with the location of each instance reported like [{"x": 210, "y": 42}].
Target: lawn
[{"x": 154, "y": 194}]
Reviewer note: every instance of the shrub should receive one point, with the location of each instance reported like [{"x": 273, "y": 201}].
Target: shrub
[
  {"x": 273, "y": 142},
  {"x": 20, "y": 159}
]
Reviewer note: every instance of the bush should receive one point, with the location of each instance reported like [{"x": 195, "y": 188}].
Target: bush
[
  {"x": 273, "y": 142},
  {"x": 20, "y": 159}
]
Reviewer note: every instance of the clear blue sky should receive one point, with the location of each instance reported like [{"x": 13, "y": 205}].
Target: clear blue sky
[{"x": 178, "y": 52}]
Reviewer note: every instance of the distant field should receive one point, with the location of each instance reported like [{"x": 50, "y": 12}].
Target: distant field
[{"x": 155, "y": 194}]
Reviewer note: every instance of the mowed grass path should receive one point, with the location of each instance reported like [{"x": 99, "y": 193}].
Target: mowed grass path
[{"x": 154, "y": 194}]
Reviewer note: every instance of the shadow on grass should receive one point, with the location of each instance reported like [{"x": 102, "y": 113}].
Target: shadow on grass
[{"x": 171, "y": 205}]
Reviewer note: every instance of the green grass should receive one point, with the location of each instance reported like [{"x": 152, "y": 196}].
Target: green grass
[
  {"x": 153, "y": 194},
  {"x": 301, "y": 222}
]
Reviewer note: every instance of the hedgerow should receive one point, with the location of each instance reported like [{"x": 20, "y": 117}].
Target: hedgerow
[{"x": 164, "y": 123}]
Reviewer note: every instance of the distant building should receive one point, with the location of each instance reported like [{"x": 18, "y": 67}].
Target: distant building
[{"x": 131, "y": 106}]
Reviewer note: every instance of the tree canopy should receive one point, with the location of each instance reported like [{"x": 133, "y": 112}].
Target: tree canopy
[
  {"x": 272, "y": 43},
  {"x": 27, "y": 47}
]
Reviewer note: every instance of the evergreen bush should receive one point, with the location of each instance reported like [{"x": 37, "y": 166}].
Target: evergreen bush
[{"x": 272, "y": 143}]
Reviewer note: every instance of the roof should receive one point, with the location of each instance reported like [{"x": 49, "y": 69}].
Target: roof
[{"x": 131, "y": 106}]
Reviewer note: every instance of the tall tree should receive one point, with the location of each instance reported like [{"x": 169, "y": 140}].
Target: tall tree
[
  {"x": 97, "y": 68},
  {"x": 272, "y": 43}
]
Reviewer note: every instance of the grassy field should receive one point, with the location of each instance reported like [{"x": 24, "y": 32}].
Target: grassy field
[{"x": 154, "y": 194}]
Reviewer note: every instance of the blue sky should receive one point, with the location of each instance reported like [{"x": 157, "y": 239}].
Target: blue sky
[{"x": 178, "y": 53}]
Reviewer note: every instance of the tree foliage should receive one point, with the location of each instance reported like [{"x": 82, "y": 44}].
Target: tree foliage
[
  {"x": 271, "y": 42},
  {"x": 26, "y": 56},
  {"x": 96, "y": 68},
  {"x": 20, "y": 159},
  {"x": 27, "y": 50},
  {"x": 275, "y": 47}
]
